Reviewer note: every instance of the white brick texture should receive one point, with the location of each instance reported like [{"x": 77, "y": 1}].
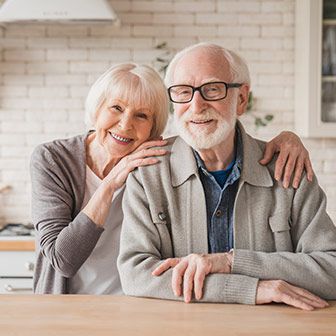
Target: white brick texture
[{"x": 46, "y": 71}]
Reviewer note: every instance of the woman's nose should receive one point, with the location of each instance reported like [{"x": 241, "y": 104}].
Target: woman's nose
[{"x": 125, "y": 122}]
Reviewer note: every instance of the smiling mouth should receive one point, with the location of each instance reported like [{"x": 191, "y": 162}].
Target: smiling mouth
[
  {"x": 201, "y": 122},
  {"x": 120, "y": 138}
]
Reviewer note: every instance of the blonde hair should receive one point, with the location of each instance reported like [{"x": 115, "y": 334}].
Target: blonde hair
[
  {"x": 140, "y": 84},
  {"x": 238, "y": 67}
]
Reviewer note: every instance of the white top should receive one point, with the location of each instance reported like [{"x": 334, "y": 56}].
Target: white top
[{"x": 99, "y": 273}]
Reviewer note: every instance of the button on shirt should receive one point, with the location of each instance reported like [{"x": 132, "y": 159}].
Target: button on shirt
[{"x": 220, "y": 190}]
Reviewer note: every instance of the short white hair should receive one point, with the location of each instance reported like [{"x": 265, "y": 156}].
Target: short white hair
[
  {"x": 238, "y": 66},
  {"x": 140, "y": 84}
]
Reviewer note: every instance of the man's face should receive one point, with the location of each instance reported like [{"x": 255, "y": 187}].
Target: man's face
[{"x": 204, "y": 124}]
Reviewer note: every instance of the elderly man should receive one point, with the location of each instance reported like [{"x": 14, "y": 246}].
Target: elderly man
[{"x": 210, "y": 222}]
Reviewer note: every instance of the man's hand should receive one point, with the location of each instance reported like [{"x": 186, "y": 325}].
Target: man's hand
[
  {"x": 293, "y": 157},
  {"x": 189, "y": 272},
  {"x": 281, "y": 291}
]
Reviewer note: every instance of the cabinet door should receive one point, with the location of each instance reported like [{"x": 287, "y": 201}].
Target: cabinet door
[
  {"x": 16, "y": 286},
  {"x": 16, "y": 263},
  {"x": 315, "y": 102}
]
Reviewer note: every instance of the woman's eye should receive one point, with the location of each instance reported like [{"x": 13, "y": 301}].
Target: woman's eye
[
  {"x": 117, "y": 108},
  {"x": 142, "y": 116}
]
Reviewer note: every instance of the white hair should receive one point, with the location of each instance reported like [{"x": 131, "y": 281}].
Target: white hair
[
  {"x": 238, "y": 67},
  {"x": 140, "y": 84}
]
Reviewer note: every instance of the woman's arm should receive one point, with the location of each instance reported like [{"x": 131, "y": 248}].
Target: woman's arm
[{"x": 65, "y": 238}]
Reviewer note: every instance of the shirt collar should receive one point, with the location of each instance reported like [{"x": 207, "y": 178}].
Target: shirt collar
[
  {"x": 238, "y": 154},
  {"x": 183, "y": 162}
]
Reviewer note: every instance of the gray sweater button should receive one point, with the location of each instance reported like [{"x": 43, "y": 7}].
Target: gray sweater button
[{"x": 162, "y": 216}]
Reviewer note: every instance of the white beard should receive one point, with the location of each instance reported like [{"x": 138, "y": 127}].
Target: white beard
[{"x": 203, "y": 139}]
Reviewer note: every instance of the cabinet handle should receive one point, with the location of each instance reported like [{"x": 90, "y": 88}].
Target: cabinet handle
[
  {"x": 10, "y": 288},
  {"x": 29, "y": 266}
]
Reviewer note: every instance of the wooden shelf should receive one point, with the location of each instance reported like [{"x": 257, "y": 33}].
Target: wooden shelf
[
  {"x": 329, "y": 22},
  {"x": 328, "y": 78}
]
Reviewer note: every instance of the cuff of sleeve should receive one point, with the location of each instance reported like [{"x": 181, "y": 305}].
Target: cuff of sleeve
[
  {"x": 230, "y": 288},
  {"x": 246, "y": 263},
  {"x": 241, "y": 290}
]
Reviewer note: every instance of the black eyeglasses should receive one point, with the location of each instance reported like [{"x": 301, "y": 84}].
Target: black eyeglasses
[{"x": 209, "y": 91}]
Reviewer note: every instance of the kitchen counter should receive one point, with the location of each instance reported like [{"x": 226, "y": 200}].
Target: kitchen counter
[
  {"x": 17, "y": 243},
  {"x": 69, "y": 315}
]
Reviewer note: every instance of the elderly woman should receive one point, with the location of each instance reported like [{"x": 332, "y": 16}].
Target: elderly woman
[{"x": 77, "y": 183}]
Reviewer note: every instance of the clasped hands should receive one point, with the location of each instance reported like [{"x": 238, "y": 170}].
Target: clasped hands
[{"x": 189, "y": 274}]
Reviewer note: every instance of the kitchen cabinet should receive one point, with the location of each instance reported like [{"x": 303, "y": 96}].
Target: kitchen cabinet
[
  {"x": 16, "y": 266},
  {"x": 315, "y": 68}
]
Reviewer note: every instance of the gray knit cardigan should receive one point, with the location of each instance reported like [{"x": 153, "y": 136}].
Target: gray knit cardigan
[{"x": 65, "y": 236}]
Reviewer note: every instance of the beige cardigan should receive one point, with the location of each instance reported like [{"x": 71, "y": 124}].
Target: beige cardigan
[{"x": 278, "y": 233}]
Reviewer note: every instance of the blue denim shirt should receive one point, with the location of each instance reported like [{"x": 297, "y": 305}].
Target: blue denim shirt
[{"x": 220, "y": 201}]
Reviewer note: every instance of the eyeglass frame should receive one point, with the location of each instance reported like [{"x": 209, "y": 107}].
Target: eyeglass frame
[{"x": 198, "y": 88}]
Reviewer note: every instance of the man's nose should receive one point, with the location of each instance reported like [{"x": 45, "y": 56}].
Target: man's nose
[{"x": 198, "y": 102}]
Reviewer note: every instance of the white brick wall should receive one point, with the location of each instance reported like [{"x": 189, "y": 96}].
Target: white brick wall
[{"x": 46, "y": 71}]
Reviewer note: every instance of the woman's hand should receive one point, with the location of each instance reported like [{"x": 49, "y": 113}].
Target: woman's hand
[
  {"x": 293, "y": 157},
  {"x": 142, "y": 156},
  {"x": 99, "y": 205}
]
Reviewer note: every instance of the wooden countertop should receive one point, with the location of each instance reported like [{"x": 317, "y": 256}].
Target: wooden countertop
[
  {"x": 69, "y": 315},
  {"x": 17, "y": 244}
]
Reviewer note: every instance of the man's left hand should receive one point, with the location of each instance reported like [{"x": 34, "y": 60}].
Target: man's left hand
[{"x": 189, "y": 272}]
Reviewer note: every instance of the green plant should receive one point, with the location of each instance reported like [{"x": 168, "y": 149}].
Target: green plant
[
  {"x": 161, "y": 63},
  {"x": 259, "y": 121}
]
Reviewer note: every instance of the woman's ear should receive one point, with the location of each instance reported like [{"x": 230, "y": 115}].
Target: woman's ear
[{"x": 242, "y": 99}]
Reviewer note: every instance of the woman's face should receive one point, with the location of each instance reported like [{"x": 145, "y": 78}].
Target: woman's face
[{"x": 122, "y": 126}]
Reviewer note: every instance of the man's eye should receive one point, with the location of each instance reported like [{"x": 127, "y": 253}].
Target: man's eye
[{"x": 212, "y": 89}]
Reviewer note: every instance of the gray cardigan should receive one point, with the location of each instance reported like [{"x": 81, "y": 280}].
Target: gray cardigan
[
  {"x": 65, "y": 237},
  {"x": 278, "y": 233}
]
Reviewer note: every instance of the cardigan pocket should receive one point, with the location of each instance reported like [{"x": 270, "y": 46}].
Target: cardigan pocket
[{"x": 281, "y": 232}]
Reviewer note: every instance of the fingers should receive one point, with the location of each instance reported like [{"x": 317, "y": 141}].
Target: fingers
[
  {"x": 165, "y": 265},
  {"x": 281, "y": 291},
  {"x": 268, "y": 154},
  {"x": 141, "y": 163},
  {"x": 152, "y": 143},
  {"x": 177, "y": 277},
  {"x": 146, "y": 152},
  {"x": 199, "y": 282},
  {"x": 298, "y": 172},
  {"x": 309, "y": 297},
  {"x": 289, "y": 168},
  {"x": 188, "y": 282},
  {"x": 309, "y": 168},
  {"x": 280, "y": 164}
]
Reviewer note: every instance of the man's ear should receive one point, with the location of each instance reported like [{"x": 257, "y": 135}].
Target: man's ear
[{"x": 242, "y": 99}]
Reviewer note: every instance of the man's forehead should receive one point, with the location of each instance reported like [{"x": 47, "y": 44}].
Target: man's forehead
[{"x": 201, "y": 67}]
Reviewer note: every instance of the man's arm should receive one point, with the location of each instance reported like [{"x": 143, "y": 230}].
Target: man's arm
[
  {"x": 143, "y": 245},
  {"x": 313, "y": 263}
]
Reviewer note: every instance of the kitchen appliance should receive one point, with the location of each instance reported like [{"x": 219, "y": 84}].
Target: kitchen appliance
[{"x": 57, "y": 10}]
